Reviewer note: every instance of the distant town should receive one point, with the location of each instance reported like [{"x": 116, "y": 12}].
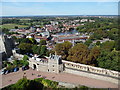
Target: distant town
[{"x": 53, "y": 47}]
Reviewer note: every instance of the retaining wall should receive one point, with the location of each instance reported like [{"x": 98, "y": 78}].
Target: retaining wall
[{"x": 91, "y": 72}]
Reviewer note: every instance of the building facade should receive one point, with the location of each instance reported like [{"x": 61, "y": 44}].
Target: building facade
[{"x": 53, "y": 63}]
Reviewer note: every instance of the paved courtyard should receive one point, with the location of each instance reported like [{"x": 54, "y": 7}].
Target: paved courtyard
[{"x": 63, "y": 77}]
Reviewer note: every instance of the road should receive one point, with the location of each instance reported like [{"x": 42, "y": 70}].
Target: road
[{"x": 12, "y": 78}]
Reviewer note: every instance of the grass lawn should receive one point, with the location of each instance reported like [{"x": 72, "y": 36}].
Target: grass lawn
[{"x": 12, "y": 26}]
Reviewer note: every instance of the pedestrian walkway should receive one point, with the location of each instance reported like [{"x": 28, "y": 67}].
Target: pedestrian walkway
[{"x": 12, "y": 78}]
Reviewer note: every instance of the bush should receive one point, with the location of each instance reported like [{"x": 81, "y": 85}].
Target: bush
[
  {"x": 38, "y": 80},
  {"x": 25, "y": 57},
  {"x": 84, "y": 88},
  {"x": 25, "y": 84},
  {"x": 49, "y": 83}
]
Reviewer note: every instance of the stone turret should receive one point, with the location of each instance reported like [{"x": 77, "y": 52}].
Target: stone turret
[{"x": 55, "y": 64}]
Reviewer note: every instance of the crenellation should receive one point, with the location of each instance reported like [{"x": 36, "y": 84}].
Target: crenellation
[{"x": 90, "y": 69}]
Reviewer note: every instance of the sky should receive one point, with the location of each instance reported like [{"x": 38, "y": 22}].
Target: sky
[{"x": 21, "y": 8}]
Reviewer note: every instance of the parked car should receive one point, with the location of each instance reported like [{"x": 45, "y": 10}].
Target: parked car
[
  {"x": 7, "y": 71},
  {"x": 3, "y": 71},
  {"x": 25, "y": 68},
  {"x": 16, "y": 69},
  {"x": 12, "y": 70}
]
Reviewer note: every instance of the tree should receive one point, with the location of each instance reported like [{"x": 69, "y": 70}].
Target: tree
[
  {"x": 50, "y": 52},
  {"x": 43, "y": 50},
  {"x": 88, "y": 42},
  {"x": 108, "y": 45},
  {"x": 33, "y": 41},
  {"x": 25, "y": 47},
  {"x": 16, "y": 62},
  {"x": 36, "y": 49},
  {"x": 25, "y": 57},
  {"x": 25, "y": 84},
  {"x": 93, "y": 55},
  {"x": 117, "y": 43},
  {"x": 78, "y": 53},
  {"x": 43, "y": 42},
  {"x": 98, "y": 43},
  {"x": 109, "y": 60},
  {"x": 62, "y": 49},
  {"x": 16, "y": 27},
  {"x": 25, "y": 40},
  {"x": 14, "y": 38}
]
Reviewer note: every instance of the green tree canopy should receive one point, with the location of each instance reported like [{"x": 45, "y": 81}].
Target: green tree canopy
[
  {"x": 108, "y": 45},
  {"x": 78, "y": 53},
  {"x": 43, "y": 50},
  {"x": 62, "y": 49},
  {"x": 88, "y": 42},
  {"x": 25, "y": 47},
  {"x": 43, "y": 42},
  {"x": 109, "y": 60},
  {"x": 93, "y": 55}
]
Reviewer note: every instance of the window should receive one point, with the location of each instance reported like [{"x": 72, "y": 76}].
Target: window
[
  {"x": 48, "y": 70},
  {"x": 53, "y": 65},
  {"x": 53, "y": 69}
]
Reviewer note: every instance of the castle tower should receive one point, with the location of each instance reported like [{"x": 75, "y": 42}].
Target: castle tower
[
  {"x": 6, "y": 46},
  {"x": 2, "y": 47},
  {"x": 55, "y": 64}
]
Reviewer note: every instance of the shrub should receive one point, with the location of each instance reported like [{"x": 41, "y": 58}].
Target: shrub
[
  {"x": 49, "y": 83},
  {"x": 25, "y": 57}
]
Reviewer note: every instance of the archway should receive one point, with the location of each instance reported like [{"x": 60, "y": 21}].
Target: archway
[{"x": 34, "y": 66}]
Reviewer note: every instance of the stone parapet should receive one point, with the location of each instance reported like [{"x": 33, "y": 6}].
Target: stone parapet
[{"x": 92, "y": 69}]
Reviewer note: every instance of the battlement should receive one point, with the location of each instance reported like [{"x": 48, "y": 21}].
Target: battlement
[
  {"x": 90, "y": 69},
  {"x": 54, "y": 57}
]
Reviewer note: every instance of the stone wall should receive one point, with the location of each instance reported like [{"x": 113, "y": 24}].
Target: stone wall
[
  {"x": 75, "y": 68},
  {"x": 17, "y": 56},
  {"x": 40, "y": 66},
  {"x": 91, "y": 72},
  {"x": 50, "y": 64},
  {"x": 67, "y": 85}
]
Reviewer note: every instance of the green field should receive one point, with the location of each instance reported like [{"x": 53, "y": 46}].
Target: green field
[{"x": 12, "y": 26}]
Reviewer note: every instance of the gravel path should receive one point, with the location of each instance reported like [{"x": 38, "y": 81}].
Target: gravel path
[{"x": 63, "y": 77}]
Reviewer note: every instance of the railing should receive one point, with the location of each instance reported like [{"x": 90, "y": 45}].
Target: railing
[
  {"x": 41, "y": 61},
  {"x": 91, "y": 69}
]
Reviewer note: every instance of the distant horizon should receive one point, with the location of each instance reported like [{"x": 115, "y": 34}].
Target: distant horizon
[{"x": 57, "y": 15}]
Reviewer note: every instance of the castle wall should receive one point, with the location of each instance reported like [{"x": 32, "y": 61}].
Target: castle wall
[
  {"x": 91, "y": 72},
  {"x": 75, "y": 68},
  {"x": 40, "y": 66},
  {"x": 52, "y": 65},
  {"x": 43, "y": 67}
]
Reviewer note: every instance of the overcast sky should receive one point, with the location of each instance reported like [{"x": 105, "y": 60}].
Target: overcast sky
[{"x": 15, "y": 8}]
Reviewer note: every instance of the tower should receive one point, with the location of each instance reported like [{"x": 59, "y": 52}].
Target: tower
[
  {"x": 6, "y": 46},
  {"x": 2, "y": 48},
  {"x": 55, "y": 64}
]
